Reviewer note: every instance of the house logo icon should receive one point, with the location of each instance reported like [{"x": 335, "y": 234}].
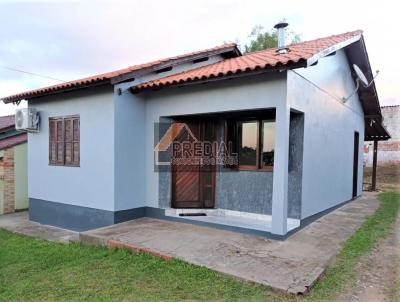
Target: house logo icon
[{"x": 174, "y": 131}]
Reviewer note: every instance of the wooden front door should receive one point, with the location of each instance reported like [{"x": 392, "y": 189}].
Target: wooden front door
[{"x": 193, "y": 186}]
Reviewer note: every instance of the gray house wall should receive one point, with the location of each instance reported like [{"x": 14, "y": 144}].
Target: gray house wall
[
  {"x": 117, "y": 174},
  {"x": 250, "y": 191},
  {"x": 264, "y": 91},
  {"x": 321, "y": 176},
  {"x": 110, "y": 184},
  {"x": 129, "y": 156},
  {"x": 130, "y": 138},
  {"x": 91, "y": 184},
  {"x": 77, "y": 198},
  {"x": 295, "y": 176},
  {"x": 247, "y": 191},
  {"x": 329, "y": 127}
]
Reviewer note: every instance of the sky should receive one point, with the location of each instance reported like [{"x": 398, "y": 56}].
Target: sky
[{"x": 68, "y": 40}]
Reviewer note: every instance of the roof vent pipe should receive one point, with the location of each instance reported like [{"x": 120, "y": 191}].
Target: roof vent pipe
[{"x": 280, "y": 27}]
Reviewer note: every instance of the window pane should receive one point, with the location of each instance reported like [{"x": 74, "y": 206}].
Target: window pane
[
  {"x": 248, "y": 145},
  {"x": 268, "y": 143}
]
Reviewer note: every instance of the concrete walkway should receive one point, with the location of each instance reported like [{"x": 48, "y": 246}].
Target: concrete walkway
[
  {"x": 20, "y": 223},
  {"x": 292, "y": 265}
]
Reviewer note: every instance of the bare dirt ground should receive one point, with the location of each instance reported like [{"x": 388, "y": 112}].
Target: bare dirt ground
[
  {"x": 378, "y": 273},
  {"x": 387, "y": 178}
]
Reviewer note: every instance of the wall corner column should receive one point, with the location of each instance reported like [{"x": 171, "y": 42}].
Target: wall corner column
[{"x": 280, "y": 177}]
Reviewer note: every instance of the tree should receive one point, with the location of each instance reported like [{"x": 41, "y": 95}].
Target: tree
[{"x": 261, "y": 39}]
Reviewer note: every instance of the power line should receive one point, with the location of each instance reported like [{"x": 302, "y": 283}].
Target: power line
[
  {"x": 336, "y": 98},
  {"x": 31, "y": 73}
]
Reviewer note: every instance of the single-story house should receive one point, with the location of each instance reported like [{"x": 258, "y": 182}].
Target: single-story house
[
  {"x": 13, "y": 167},
  {"x": 277, "y": 138}
]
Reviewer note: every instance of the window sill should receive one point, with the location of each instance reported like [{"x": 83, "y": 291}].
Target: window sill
[
  {"x": 255, "y": 169},
  {"x": 62, "y": 165}
]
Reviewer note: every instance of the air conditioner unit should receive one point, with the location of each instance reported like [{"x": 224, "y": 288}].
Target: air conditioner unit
[{"x": 27, "y": 119}]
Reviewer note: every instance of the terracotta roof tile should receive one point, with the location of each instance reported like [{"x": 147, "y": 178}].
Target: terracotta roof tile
[
  {"x": 264, "y": 59},
  {"x": 106, "y": 77},
  {"x": 249, "y": 62},
  {"x": 13, "y": 141}
]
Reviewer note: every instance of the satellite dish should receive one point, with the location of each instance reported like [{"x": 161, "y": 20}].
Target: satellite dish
[
  {"x": 360, "y": 75},
  {"x": 360, "y": 78}
]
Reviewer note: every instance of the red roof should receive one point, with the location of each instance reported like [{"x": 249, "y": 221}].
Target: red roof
[
  {"x": 106, "y": 77},
  {"x": 300, "y": 53},
  {"x": 7, "y": 122},
  {"x": 13, "y": 141}
]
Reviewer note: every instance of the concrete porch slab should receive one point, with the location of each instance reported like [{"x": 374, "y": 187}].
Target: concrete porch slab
[
  {"x": 19, "y": 223},
  {"x": 292, "y": 265},
  {"x": 244, "y": 220}
]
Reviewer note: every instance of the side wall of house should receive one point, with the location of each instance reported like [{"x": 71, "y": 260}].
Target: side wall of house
[
  {"x": 329, "y": 126},
  {"x": 74, "y": 197}
]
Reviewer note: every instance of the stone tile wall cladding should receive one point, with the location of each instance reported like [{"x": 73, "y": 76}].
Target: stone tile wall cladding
[
  {"x": 251, "y": 191},
  {"x": 8, "y": 178}
]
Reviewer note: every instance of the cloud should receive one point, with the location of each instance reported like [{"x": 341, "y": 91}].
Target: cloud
[{"x": 73, "y": 39}]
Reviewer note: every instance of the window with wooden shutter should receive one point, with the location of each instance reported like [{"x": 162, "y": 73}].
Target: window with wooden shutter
[
  {"x": 52, "y": 142},
  {"x": 64, "y": 144},
  {"x": 76, "y": 142}
]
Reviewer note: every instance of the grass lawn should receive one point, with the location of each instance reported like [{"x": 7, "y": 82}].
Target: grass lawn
[
  {"x": 375, "y": 227},
  {"x": 34, "y": 269},
  {"x": 38, "y": 270}
]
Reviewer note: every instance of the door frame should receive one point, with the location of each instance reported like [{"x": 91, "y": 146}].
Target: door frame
[
  {"x": 355, "y": 163},
  {"x": 202, "y": 184}
]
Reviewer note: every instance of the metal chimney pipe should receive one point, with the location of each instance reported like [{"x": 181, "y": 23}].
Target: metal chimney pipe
[{"x": 280, "y": 27}]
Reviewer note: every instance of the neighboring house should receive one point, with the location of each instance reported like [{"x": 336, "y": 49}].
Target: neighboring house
[
  {"x": 281, "y": 113},
  {"x": 389, "y": 151},
  {"x": 13, "y": 167}
]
